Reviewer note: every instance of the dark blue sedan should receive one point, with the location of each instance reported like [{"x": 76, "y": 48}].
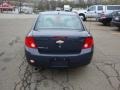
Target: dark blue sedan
[{"x": 58, "y": 40}]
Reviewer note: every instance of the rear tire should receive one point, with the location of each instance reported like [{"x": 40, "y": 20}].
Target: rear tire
[
  {"x": 97, "y": 19},
  {"x": 106, "y": 23},
  {"x": 118, "y": 28}
]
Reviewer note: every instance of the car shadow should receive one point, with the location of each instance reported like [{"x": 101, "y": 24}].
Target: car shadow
[
  {"x": 90, "y": 20},
  {"x": 30, "y": 77},
  {"x": 100, "y": 24},
  {"x": 116, "y": 30}
]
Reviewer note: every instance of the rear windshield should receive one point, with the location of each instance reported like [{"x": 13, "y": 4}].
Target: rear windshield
[{"x": 58, "y": 22}]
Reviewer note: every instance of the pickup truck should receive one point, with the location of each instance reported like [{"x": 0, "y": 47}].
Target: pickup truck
[{"x": 94, "y": 11}]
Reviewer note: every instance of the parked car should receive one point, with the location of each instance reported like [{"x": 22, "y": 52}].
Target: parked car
[
  {"x": 116, "y": 20},
  {"x": 107, "y": 18},
  {"x": 58, "y": 9},
  {"x": 63, "y": 44},
  {"x": 94, "y": 11},
  {"x": 67, "y": 8}
]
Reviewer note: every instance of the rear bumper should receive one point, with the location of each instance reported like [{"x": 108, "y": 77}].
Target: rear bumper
[
  {"x": 45, "y": 60},
  {"x": 104, "y": 20},
  {"x": 116, "y": 23},
  {"x": 100, "y": 20}
]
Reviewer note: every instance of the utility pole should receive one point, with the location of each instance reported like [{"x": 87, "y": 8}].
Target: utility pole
[{"x": 20, "y": 5}]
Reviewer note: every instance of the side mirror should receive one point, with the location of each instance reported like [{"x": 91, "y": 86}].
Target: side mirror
[{"x": 88, "y": 10}]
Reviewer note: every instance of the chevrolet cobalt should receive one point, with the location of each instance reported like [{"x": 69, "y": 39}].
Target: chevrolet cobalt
[{"x": 59, "y": 39}]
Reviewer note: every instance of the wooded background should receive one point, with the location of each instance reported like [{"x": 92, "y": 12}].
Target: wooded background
[{"x": 52, "y": 4}]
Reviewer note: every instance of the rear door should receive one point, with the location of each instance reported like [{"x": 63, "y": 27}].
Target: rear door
[{"x": 100, "y": 10}]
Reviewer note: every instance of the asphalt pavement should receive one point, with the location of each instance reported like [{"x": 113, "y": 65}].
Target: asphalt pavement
[{"x": 15, "y": 74}]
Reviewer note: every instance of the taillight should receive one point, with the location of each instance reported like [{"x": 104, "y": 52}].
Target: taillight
[
  {"x": 30, "y": 42},
  {"x": 88, "y": 42}
]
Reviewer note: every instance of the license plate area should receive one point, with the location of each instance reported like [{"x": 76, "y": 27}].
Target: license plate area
[{"x": 59, "y": 62}]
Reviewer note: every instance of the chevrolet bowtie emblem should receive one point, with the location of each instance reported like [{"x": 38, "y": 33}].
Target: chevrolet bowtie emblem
[{"x": 60, "y": 42}]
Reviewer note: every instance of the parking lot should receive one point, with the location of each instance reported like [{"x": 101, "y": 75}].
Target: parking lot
[{"x": 15, "y": 74}]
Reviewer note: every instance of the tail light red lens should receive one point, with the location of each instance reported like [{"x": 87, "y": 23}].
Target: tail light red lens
[
  {"x": 88, "y": 42},
  {"x": 30, "y": 42}
]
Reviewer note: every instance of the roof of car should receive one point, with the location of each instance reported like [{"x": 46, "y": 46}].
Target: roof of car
[{"x": 58, "y": 12}]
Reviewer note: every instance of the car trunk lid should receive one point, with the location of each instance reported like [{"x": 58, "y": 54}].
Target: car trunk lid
[{"x": 59, "y": 42}]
